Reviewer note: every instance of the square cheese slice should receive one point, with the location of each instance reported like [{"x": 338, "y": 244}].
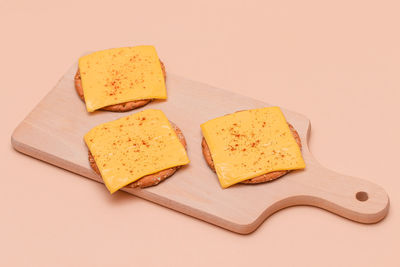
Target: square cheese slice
[
  {"x": 120, "y": 75},
  {"x": 134, "y": 146},
  {"x": 251, "y": 143}
]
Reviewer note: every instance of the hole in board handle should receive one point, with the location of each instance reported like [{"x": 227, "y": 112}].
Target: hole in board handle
[{"x": 362, "y": 196}]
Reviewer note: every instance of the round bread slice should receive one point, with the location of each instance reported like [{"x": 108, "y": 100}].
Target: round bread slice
[
  {"x": 152, "y": 179},
  {"x": 256, "y": 180},
  {"x": 127, "y": 106}
]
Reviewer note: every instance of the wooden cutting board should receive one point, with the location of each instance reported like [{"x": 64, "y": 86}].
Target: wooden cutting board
[{"x": 53, "y": 132}]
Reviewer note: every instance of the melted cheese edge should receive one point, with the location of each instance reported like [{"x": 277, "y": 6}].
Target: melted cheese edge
[
  {"x": 251, "y": 143},
  {"x": 134, "y": 146},
  {"x": 120, "y": 75}
]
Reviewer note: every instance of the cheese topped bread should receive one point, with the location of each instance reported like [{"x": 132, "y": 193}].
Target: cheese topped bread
[
  {"x": 251, "y": 143},
  {"x": 135, "y": 146},
  {"x": 121, "y": 75}
]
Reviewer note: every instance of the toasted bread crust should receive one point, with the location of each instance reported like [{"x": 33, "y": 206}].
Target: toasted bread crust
[
  {"x": 256, "y": 180},
  {"x": 117, "y": 107},
  {"x": 152, "y": 179}
]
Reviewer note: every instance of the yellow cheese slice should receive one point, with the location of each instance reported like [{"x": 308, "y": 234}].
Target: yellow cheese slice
[
  {"x": 121, "y": 75},
  {"x": 250, "y": 143},
  {"x": 134, "y": 146}
]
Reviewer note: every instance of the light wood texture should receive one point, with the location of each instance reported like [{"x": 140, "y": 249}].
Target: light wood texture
[{"x": 53, "y": 132}]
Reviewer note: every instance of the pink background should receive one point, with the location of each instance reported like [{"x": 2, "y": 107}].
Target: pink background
[{"x": 337, "y": 62}]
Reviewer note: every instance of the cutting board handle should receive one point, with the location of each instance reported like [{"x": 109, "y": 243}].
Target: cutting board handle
[{"x": 351, "y": 197}]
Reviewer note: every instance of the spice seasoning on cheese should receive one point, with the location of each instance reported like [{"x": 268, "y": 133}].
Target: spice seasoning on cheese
[
  {"x": 120, "y": 75},
  {"x": 251, "y": 143},
  {"x": 134, "y": 146}
]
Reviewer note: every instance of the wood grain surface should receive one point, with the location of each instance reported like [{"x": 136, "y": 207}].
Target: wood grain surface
[{"x": 53, "y": 132}]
